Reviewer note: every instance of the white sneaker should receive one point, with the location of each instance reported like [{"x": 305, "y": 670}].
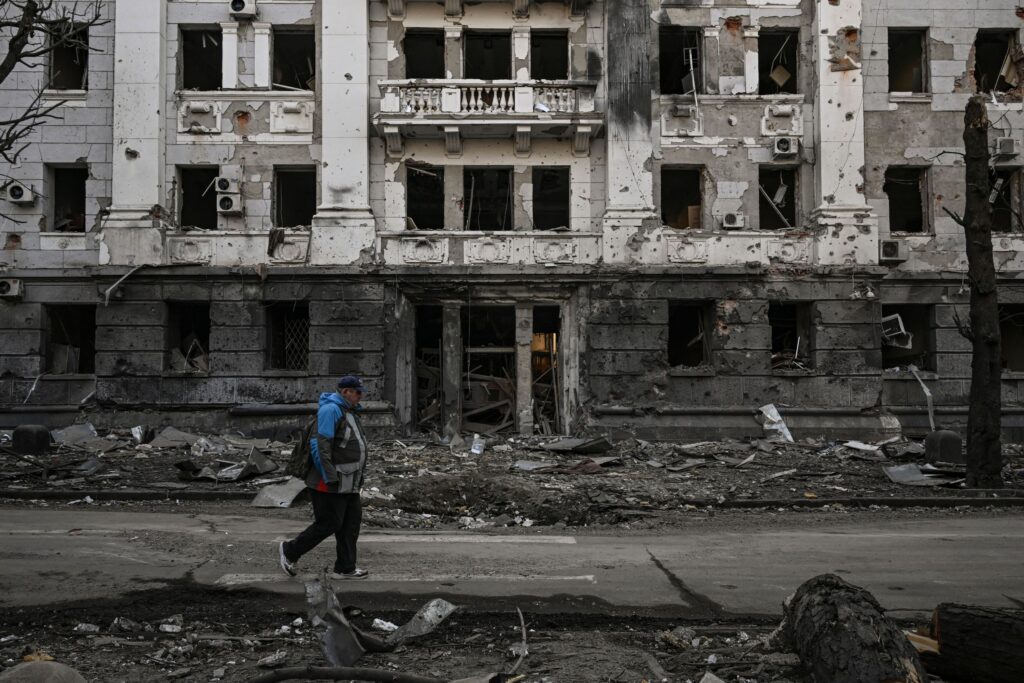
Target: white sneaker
[
  {"x": 286, "y": 566},
  {"x": 356, "y": 573}
]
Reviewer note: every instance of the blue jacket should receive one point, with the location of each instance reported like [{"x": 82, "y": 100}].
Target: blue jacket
[{"x": 338, "y": 450}]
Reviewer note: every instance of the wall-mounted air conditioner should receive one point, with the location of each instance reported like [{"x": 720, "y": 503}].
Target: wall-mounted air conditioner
[
  {"x": 734, "y": 221},
  {"x": 20, "y": 193},
  {"x": 785, "y": 147},
  {"x": 11, "y": 288},
  {"x": 893, "y": 251},
  {"x": 243, "y": 9}
]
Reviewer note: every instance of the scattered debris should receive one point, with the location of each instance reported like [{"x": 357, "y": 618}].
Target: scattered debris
[
  {"x": 580, "y": 446},
  {"x": 773, "y": 422},
  {"x": 923, "y": 475},
  {"x": 279, "y": 495}
]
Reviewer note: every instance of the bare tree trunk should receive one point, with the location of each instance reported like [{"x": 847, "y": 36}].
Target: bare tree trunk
[
  {"x": 977, "y": 644},
  {"x": 984, "y": 420}
]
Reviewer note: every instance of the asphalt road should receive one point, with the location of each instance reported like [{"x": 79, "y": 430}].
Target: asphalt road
[{"x": 50, "y": 556}]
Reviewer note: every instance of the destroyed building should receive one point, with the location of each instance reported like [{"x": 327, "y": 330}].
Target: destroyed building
[{"x": 533, "y": 217}]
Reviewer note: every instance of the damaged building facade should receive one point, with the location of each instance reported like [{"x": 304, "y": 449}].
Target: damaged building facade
[{"x": 512, "y": 216}]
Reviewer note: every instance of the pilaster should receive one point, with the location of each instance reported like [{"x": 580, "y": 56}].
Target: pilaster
[{"x": 229, "y": 54}]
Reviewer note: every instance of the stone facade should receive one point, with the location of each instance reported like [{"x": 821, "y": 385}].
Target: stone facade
[{"x": 644, "y": 215}]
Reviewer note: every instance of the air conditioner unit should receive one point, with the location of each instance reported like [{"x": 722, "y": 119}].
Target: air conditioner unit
[
  {"x": 734, "y": 221},
  {"x": 785, "y": 146},
  {"x": 892, "y": 326},
  {"x": 226, "y": 185},
  {"x": 229, "y": 204},
  {"x": 684, "y": 111},
  {"x": 11, "y": 288},
  {"x": 19, "y": 193},
  {"x": 243, "y": 9},
  {"x": 893, "y": 251},
  {"x": 1006, "y": 148}
]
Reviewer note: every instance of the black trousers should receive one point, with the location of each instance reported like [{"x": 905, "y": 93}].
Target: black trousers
[{"x": 340, "y": 514}]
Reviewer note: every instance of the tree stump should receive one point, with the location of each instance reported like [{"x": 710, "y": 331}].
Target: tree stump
[
  {"x": 842, "y": 635},
  {"x": 977, "y": 644}
]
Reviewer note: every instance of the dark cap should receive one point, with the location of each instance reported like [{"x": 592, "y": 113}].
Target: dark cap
[{"x": 351, "y": 382}]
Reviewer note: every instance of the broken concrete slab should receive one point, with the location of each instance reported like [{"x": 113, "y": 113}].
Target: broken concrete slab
[
  {"x": 915, "y": 475},
  {"x": 580, "y": 446},
  {"x": 173, "y": 438},
  {"x": 74, "y": 434},
  {"x": 279, "y": 495}
]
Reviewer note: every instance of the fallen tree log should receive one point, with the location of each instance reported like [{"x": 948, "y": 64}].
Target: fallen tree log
[
  {"x": 977, "y": 644},
  {"x": 841, "y": 635}
]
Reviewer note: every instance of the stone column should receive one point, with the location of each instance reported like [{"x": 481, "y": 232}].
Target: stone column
[
  {"x": 132, "y": 233},
  {"x": 229, "y": 54},
  {"x": 261, "y": 54},
  {"x": 453, "y": 50},
  {"x": 343, "y": 228},
  {"x": 524, "y": 369},
  {"x": 630, "y": 188},
  {"x": 751, "y": 65},
  {"x": 848, "y": 230},
  {"x": 521, "y": 54},
  {"x": 451, "y": 364}
]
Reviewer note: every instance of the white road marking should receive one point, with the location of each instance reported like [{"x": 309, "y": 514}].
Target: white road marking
[{"x": 229, "y": 580}]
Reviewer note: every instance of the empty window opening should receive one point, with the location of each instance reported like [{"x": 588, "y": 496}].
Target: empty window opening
[
  {"x": 424, "y": 54},
  {"x": 1005, "y": 197},
  {"x": 294, "y": 59},
  {"x": 551, "y": 198},
  {"x": 69, "y": 57},
  {"x": 288, "y": 332},
  {"x": 549, "y": 55},
  {"x": 198, "y": 197},
  {"x": 778, "y": 53},
  {"x": 489, "y": 368},
  {"x": 791, "y": 335},
  {"x": 1011, "y": 330},
  {"x": 69, "y": 198},
  {"x": 429, "y": 400},
  {"x": 70, "y": 340},
  {"x": 906, "y": 189},
  {"x": 682, "y": 198},
  {"x": 488, "y": 198},
  {"x": 689, "y": 344},
  {"x": 488, "y": 55},
  {"x": 424, "y": 197},
  {"x": 777, "y": 198},
  {"x": 547, "y": 384},
  {"x": 680, "y": 57},
  {"x": 294, "y": 196},
  {"x": 994, "y": 68},
  {"x": 908, "y": 336},
  {"x": 908, "y": 63},
  {"x": 188, "y": 336},
  {"x": 201, "y": 59}
]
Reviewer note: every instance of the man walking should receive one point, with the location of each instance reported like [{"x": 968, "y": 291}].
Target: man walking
[{"x": 337, "y": 453}]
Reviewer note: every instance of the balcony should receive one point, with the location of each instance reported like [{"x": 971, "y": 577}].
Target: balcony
[
  {"x": 453, "y": 8},
  {"x": 454, "y": 110}
]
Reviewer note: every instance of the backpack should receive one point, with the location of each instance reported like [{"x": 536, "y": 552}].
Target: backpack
[{"x": 300, "y": 462}]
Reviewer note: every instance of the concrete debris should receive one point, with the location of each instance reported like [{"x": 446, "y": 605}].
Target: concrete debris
[
  {"x": 87, "y": 628},
  {"x": 172, "y": 438},
  {"x": 272, "y": 661},
  {"x": 74, "y": 434},
  {"x": 279, "y": 495},
  {"x": 41, "y": 672},
  {"x": 386, "y": 626},
  {"x": 580, "y": 446},
  {"x": 773, "y": 423},
  {"x": 923, "y": 475}
]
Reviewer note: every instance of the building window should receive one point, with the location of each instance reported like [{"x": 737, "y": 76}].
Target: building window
[
  {"x": 791, "y": 335},
  {"x": 1011, "y": 330},
  {"x": 682, "y": 197},
  {"x": 689, "y": 343},
  {"x": 680, "y": 60},
  {"x": 488, "y": 55},
  {"x": 993, "y": 60},
  {"x": 424, "y": 53},
  {"x": 70, "y": 339},
  {"x": 551, "y": 198},
  {"x": 67, "y": 196},
  {"x": 294, "y": 59},
  {"x": 198, "y": 203},
  {"x": 1007, "y": 189},
  {"x": 549, "y": 55},
  {"x": 908, "y": 336},
  {"x": 908, "y": 60},
  {"x": 288, "y": 330},
  {"x": 778, "y": 54},
  {"x": 69, "y": 58},
  {"x": 907, "y": 189},
  {"x": 777, "y": 197},
  {"x": 488, "y": 198},
  {"x": 201, "y": 66},
  {"x": 188, "y": 336},
  {"x": 424, "y": 197},
  {"x": 294, "y": 196}
]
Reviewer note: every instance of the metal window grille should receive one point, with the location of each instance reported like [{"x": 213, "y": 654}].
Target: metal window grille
[{"x": 290, "y": 339}]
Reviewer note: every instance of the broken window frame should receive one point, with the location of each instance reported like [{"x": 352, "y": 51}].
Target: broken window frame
[
  {"x": 792, "y": 40},
  {"x": 909, "y": 315},
  {"x": 81, "y": 320},
  {"x": 767, "y": 201},
  {"x": 470, "y": 200},
  {"x": 209, "y": 195},
  {"x": 801, "y": 357},
  {"x": 676, "y": 349},
  {"x": 424, "y": 34},
  {"x": 666, "y": 192},
  {"x": 471, "y": 35},
  {"x": 195, "y": 354},
  {"x": 1000, "y": 84},
  {"x": 537, "y": 68},
  {"x": 419, "y": 178},
  {"x": 209, "y": 72},
  {"x": 288, "y": 328},
  {"x": 74, "y": 38},
  {"x": 1007, "y": 199},
  {"x": 488, "y": 389},
  {"x": 546, "y": 363},
  {"x": 542, "y": 218},
  {"x": 898, "y": 38},
  {"x": 282, "y": 189},
  {"x": 1012, "y": 337},
  {"x": 294, "y": 81},
  {"x": 683, "y": 33},
  {"x": 57, "y": 176},
  {"x": 923, "y": 183}
]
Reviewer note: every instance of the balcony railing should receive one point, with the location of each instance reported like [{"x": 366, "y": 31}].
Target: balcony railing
[{"x": 473, "y": 97}]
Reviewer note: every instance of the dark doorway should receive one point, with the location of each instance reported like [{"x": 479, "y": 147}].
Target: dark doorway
[
  {"x": 188, "y": 336},
  {"x": 424, "y": 197},
  {"x": 791, "y": 335},
  {"x": 778, "y": 55},
  {"x": 488, "y": 198},
  {"x": 70, "y": 339},
  {"x": 689, "y": 345},
  {"x": 424, "y": 53},
  {"x": 549, "y": 55},
  {"x": 69, "y": 198},
  {"x": 488, "y": 55},
  {"x": 294, "y": 196},
  {"x": 906, "y": 189},
  {"x": 682, "y": 200},
  {"x": 294, "y": 59},
  {"x": 429, "y": 363},
  {"x": 547, "y": 382},
  {"x": 680, "y": 57},
  {"x": 198, "y": 197},
  {"x": 489, "y": 368},
  {"x": 551, "y": 198},
  {"x": 201, "y": 67}
]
